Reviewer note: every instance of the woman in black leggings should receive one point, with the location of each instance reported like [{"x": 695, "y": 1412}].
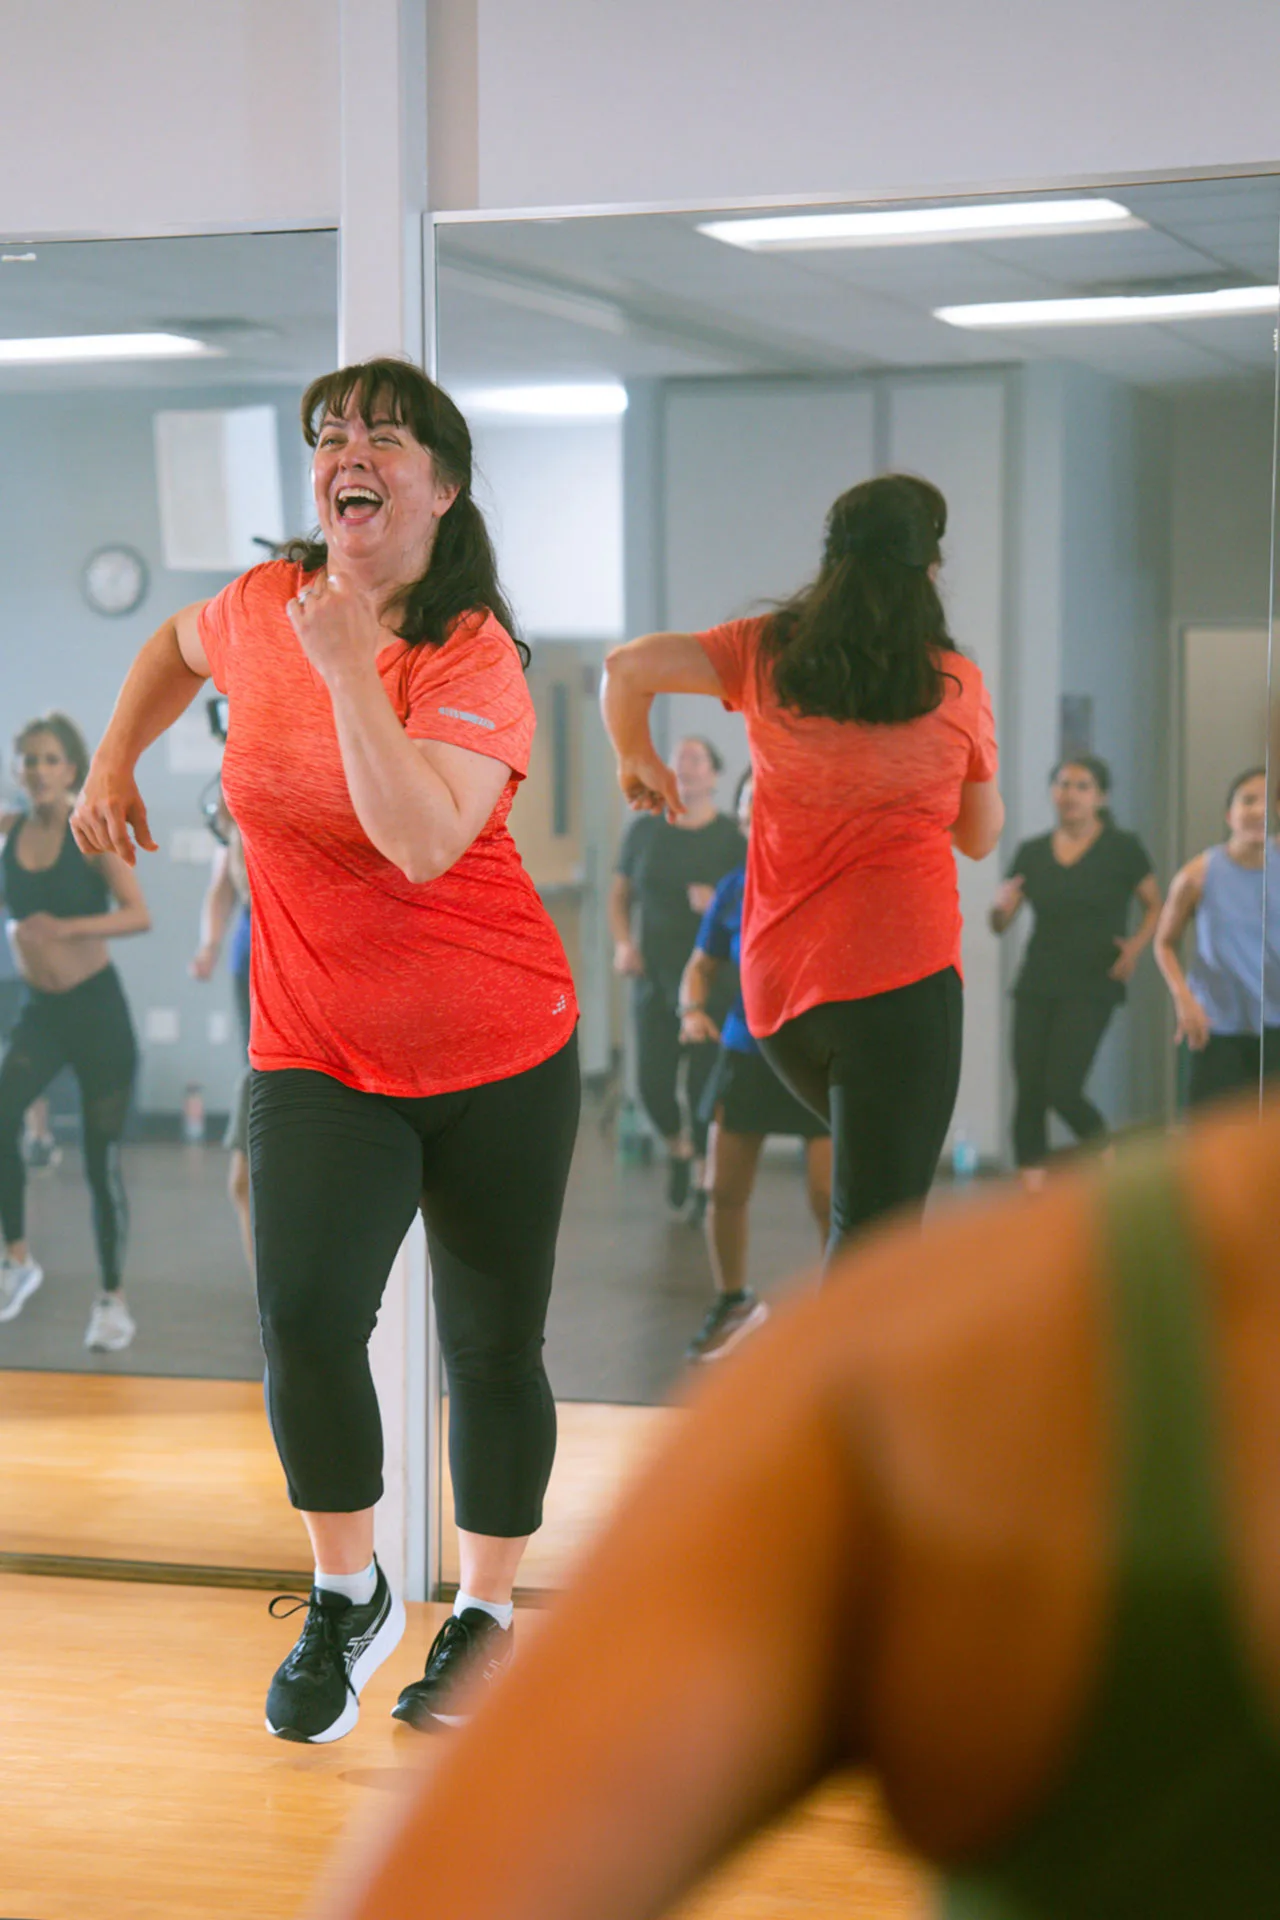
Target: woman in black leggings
[
  {"x": 1080, "y": 882},
  {"x": 413, "y": 1015},
  {"x": 874, "y": 753},
  {"x": 61, "y": 914}
]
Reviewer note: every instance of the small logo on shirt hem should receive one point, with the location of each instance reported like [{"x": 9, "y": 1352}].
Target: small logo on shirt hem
[{"x": 476, "y": 719}]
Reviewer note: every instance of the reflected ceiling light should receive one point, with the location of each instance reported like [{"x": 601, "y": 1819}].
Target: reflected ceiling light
[
  {"x": 923, "y": 226},
  {"x": 1120, "y": 309},
  {"x": 60, "y": 349},
  {"x": 599, "y": 402}
]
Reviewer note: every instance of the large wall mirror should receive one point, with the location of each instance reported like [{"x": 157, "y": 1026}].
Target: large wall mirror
[
  {"x": 149, "y": 397},
  {"x": 664, "y": 407}
]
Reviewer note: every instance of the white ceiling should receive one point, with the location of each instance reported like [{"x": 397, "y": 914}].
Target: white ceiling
[
  {"x": 270, "y": 300},
  {"x": 669, "y": 301},
  {"x": 646, "y": 294}
]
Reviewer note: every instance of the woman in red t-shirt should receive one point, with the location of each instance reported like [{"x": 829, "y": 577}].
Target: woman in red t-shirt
[
  {"x": 874, "y": 753},
  {"x": 413, "y": 1014}
]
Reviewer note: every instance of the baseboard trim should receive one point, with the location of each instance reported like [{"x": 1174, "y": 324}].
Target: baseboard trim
[{"x": 170, "y": 1573}]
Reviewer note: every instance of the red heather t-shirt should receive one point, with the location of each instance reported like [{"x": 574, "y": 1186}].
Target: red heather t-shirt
[
  {"x": 851, "y": 876},
  {"x": 356, "y": 972}
]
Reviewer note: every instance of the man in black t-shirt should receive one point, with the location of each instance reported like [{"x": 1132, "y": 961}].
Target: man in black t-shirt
[{"x": 665, "y": 877}]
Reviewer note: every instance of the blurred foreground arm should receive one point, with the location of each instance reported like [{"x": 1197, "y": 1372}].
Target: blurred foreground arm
[{"x": 680, "y": 1693}]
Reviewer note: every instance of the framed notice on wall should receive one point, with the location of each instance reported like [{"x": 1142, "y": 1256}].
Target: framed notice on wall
[{"x": 1075, "y": 725}]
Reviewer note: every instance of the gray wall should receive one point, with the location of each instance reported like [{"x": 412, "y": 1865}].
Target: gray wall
[
  {"x": 1094, "y": 516},
  {"x": 1221, "y": 482},
  {"x": 79, "y": 473}
]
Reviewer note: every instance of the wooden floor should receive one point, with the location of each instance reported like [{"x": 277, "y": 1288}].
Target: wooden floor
[
  {"x": 185, "y": 1472},
  {"x": 126, "y": 1468},
  {"x": 139, "y": 1783},
  {"x": 598, "y": 1449}
]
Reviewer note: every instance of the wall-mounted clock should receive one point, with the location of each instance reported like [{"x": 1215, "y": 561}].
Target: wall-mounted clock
[{"x": 114, "y": 580}]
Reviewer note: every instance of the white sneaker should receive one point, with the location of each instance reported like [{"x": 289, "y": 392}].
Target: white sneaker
[
  {"x": 18, "y": 1281},
  {"x": 111, "y": 1325}
]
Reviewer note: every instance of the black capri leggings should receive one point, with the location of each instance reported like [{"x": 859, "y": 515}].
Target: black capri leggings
[
  {"x": 336, "y": 1176},
  {"x": 89, "y": 1030},
  {"x": 1054, "y": 1043},
  {"x": 884, "y": 1072},
  {"x": 659, "y": 1055}
]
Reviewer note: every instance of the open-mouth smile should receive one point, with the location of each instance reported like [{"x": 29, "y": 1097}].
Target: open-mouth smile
[{"x": 356, "y": 504}]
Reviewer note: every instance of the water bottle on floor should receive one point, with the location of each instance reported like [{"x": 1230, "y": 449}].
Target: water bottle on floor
[
  {"x": 964, "y": 1157},
  {"x": 193, "y": 1115}
]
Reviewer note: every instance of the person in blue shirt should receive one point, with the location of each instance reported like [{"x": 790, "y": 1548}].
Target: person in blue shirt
[{"x": 746, "y": 1102}]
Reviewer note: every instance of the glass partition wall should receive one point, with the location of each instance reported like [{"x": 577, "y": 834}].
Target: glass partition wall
[
  {"x": 664, "y": 406},
  {"x": 149, "y": 396}
]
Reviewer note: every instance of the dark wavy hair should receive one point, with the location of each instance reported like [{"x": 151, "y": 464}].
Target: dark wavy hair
[
  {"x": 1098, "y": 771},
  {"x": 68, "y": 736},
  {"x": 1242, "y": 780},
  {"x": 865, "y": 640},
  {"x": 462, "y": 576}
]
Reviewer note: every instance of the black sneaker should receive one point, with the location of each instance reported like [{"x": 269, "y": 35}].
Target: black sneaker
[
  {"x": 315, "y": 1694},
  {"x": 679, "y": 1174},
  {"x": 469, "y": 1646},
  {"x": 728, "y": 1322}
]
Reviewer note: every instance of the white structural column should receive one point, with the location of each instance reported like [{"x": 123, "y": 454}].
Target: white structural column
[{"x": 381, "y": 311}]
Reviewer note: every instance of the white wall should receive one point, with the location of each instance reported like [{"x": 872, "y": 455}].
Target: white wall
[
  {"x": 156, "y": 116},
  {"x": 552, "y": 494},
  {"x": 168, "y": 116},
  {"x": 707, "y": 100},
  {"x": 88, "y": 479}
]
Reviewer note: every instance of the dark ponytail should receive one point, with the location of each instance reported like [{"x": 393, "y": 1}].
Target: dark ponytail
[
  {"x": 863, "y": 641},
  {"x": 463, "y": 573},
  {"x": 1098, "y": 771}
]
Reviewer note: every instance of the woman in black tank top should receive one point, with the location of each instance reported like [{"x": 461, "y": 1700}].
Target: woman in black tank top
[{"x": 61, "y": 910}]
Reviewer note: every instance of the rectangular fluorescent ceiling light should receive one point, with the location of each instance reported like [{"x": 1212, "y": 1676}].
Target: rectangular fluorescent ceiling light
[
  {"x": 1114, "y": 309},
  {"x": 61, "y": 350},
  {"x": 599, "y": 402},
  {"x": 924, "y": 226}
]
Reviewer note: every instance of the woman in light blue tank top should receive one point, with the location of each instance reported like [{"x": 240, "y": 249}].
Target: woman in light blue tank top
[{"x": 1229, "y": 1022}]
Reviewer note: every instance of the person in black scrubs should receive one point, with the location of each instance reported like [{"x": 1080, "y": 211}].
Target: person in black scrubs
[
  {"x": 666, "y": 876},
  {"x": 1080, "y": 882}
]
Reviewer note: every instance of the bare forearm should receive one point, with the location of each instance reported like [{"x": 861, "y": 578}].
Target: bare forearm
[
  {"x": 108, "y": 926},
  {"x": 1166, "y": 957},
  {"x": 696, "y": 981},
  {"x": 626, "y": 707},
  {"x": 158, "y": 687},
  {"x": 216, "y": 909},
  {"x": 403, "y": 805},
  {"x": 620, "y": 913},
  {"x": 1145, "y": 934}
]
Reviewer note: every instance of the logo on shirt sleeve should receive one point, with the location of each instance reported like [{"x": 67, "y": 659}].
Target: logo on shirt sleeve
[{"x": 474, "y": 719}]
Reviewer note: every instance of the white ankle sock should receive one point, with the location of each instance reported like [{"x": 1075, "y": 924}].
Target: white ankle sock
[
  {"x": 357, "y": 1586},
  {"x": 502, "y": 1612}
]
